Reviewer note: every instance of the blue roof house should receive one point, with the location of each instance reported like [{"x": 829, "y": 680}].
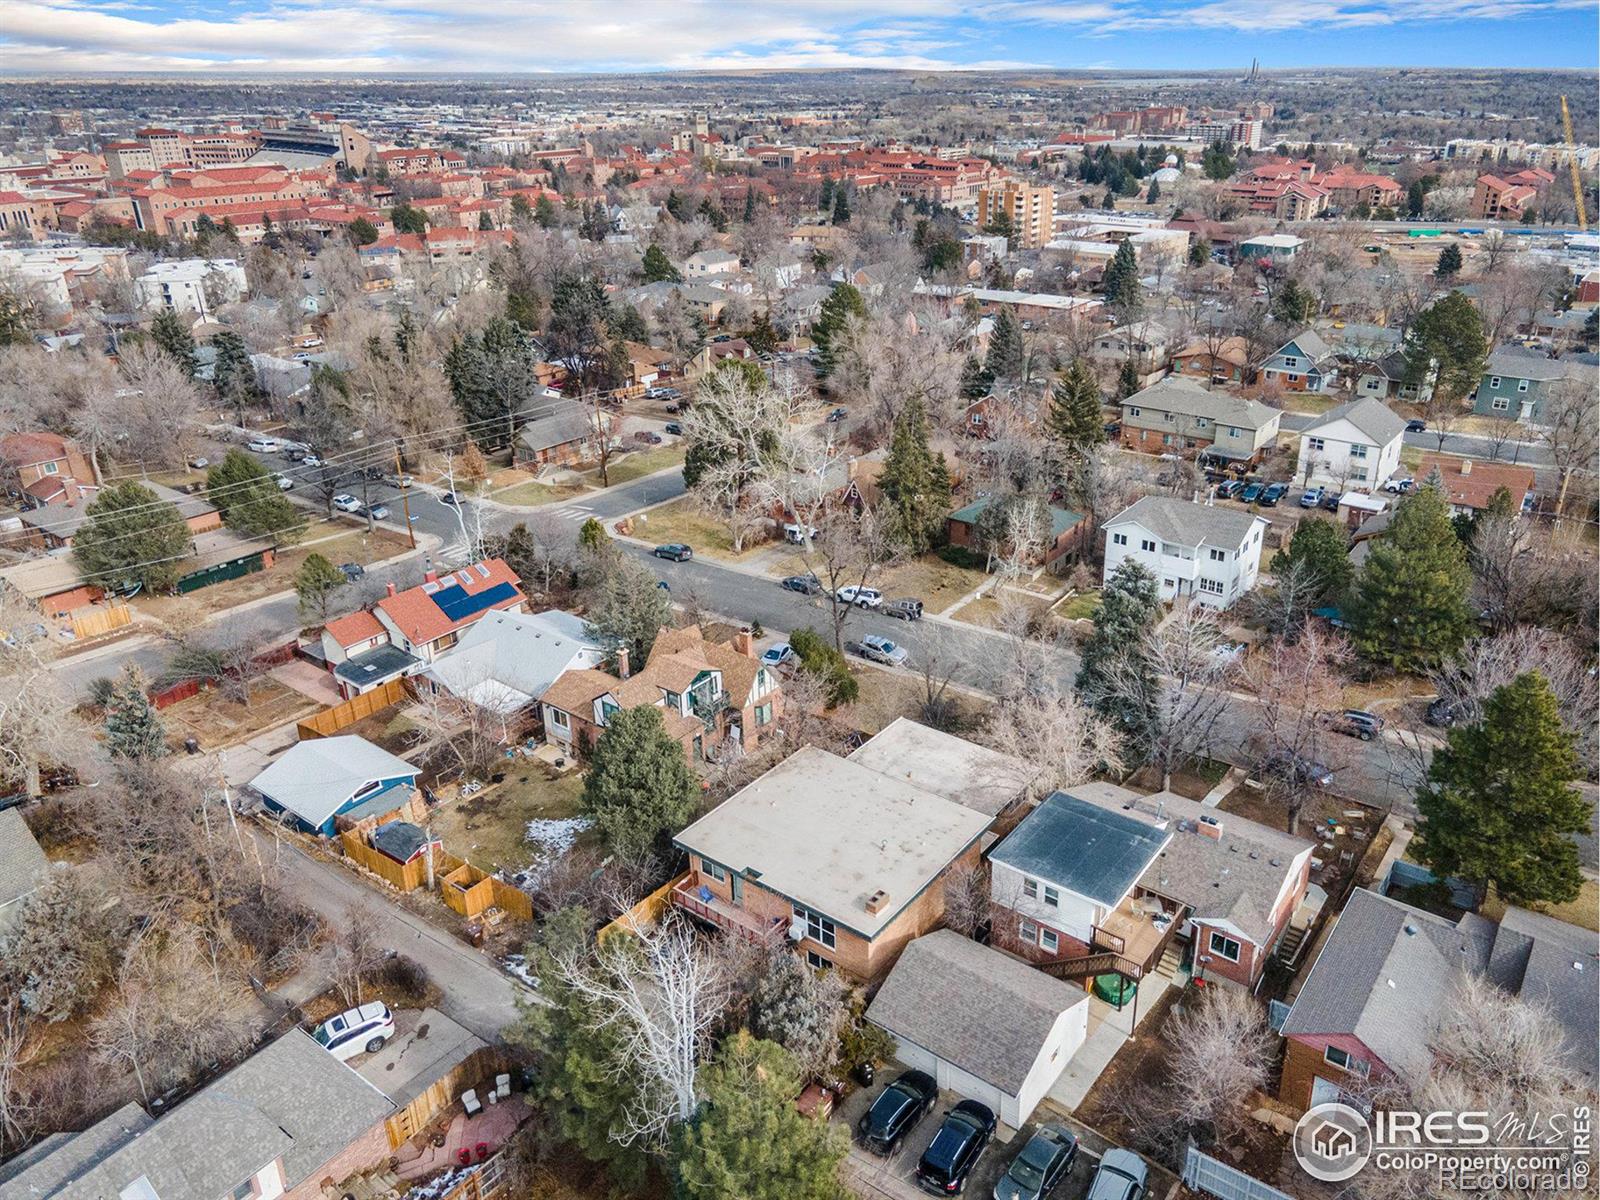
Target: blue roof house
[{"x": 319, "y": 780}]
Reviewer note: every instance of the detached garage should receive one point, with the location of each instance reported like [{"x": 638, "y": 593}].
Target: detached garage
[{"x": 985, "y": 1025}]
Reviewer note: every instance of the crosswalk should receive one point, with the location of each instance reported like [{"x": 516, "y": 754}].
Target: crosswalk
[{"x": 575, "y": 512}]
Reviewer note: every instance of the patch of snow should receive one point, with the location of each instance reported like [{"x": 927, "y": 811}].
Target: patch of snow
[
  {"x": 516, "y": 965},
  {"x": 552, "y": 837}
]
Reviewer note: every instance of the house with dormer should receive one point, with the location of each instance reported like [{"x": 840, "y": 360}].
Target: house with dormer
[{"x": 1305, "y": 363}]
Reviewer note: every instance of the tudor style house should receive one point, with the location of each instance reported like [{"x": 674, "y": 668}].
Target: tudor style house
[
  {"x": 1197, "y": 551},
  {"x": 1305, "y": 363},
  {"x": 1354, "y": 447},
  {"x": 1178, "y": 414},
  {"x": 1103, "y": 879},
  {"x": 709, "y": 693}
]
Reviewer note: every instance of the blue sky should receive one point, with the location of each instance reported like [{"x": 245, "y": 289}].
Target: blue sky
[{"x": 52, "y": 37}]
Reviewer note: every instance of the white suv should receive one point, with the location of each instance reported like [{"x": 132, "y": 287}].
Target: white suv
[
  {"x": 263, "y": 445},
  {"x": 356, "y": 1031},
  {"x": 864, "y": 596},
  {"x": 346, "y": 503}
]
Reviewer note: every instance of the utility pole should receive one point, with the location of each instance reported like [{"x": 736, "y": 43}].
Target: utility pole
[{"x": 405, "y": 494}]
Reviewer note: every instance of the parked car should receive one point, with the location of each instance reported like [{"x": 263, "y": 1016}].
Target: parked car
[
  {"x": 1401, "y": 487},
  {"x": 1312, "y": 497},
  {"x": 1330, "y": 502},
  {"x": 796, "y": 534},
  {"x": 674, "y": 428},
  {"x": 896, "y": 1110},
  {"x": 905, "y": 609},
  {"x": 263, "y": 445},
  {"x": 956, "y": 1148},
  {"x": 806, "y": 585},
  {"x": 662, "y": 393},
  {"x": 648, "y": 437},
  {"x": 1113, "y": 429},
  {"x": 346, "y": 503},
  {"x": 1229, "y": 488},
  {"x": 1252, "y": 492},
  {"x": 1443, "y": 713},
  {"x": 1273, "y": 493},
  {"x": 352, "y": 571},
  {"x": 449, "y": 498},
  {"x": 399, "y": 481},
  {"x": 1043, "y": 1163},
  {"x": 1297, "y": 767},
  {"x": 1355, "y": 722},
  {"x": 310, "y": 460},
  {"x": 355, "y": 1031},
  {"x": 838, "y": 414},
  {"x": 777, "y": 656},
  {"x": 1123, "y": 1175},
  {"x": 1416, "y": 426},
  {"x": 881, "y": 650},
  {"x": 1227, "y": 652},
  {"x": 380, "y": 512},
  {"x": 284, "y": 482},
  {"x": 864, "y": 596},
  {"x": 199, "y": 464},
  {"x": 675, "y": 551}
]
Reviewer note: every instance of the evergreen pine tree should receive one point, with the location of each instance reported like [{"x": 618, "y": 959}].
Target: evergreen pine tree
[
  {"x": 1410, "y": 609},
  {"x": 133, "y": 728},
  {"x": 658, "y": 267},
  {"x": 914, "y": 482},
  {"x": 1122, "y": 291},
  {"x": 843, "y": 305},
  {"x": 314, "y": 584},
  {"x": 131, "y": 536},
  {"x": 173, "y": 336},
  {"x": 1130, "y": 606},
  {"x": 1127, "y": 380},
  {"x": 1006, "y": 354},
  {"x": 975, "y": 381},
  {"x": 1499, "y": 807},
  {"x": 1199, "y": 253},
  {"x": 1076, "y": 418},
  {"x": 749, "y": 204},
  {"x": 1319, "y": 547},
  {"x": 841, "y": 207},
  {"x": 1449, "y": 264},
  {"x": 249, "y": 498},
  {"x": 1154, "y": 194},
  {"x": 639, "y": 789},
  {"x": 1447, "y": 343}
]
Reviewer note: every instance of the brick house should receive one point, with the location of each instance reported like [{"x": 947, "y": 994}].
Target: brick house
[
  {"x": 1506, "y": 199},
  {"x": 1305, "y": 363},
  {"x": 1103, "y": 879},
  {"x": 845, "y": 862},
  {"x": 1221, "y": 360},
  {"x": 1065, "y": 536},
  {"x": 565, "y": 434},
  {"x": 709, "y": 693},
  {"x": 46, "y": 466},
  {"x": 1366, "y": 1008},
  {"x": 1177, "y": 414},
  {"x": 281, "y": 1124}
]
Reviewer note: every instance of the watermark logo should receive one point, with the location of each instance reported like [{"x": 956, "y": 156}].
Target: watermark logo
[{"x": 1332, "y": 1142}]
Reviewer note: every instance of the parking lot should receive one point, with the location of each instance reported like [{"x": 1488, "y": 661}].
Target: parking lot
[{"x": 895, "y": 1176}]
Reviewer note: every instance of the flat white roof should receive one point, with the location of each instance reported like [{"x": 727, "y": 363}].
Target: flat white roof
[
  {"x": 826, "y": 833},
  {"x": 948, "y": 766}
]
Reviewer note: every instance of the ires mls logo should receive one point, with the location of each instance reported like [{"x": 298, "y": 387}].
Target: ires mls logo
[{"x": 1332, "y": 1142}]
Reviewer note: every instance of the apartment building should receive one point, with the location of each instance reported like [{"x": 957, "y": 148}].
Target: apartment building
[
  {"x": 1031, "y": 209},
  {"x": 1506, "y": 199},
  {"x": 1177, "y": 414},
  {"x": 1195, "y": 551},
  {"x": 191, "y": 285}
]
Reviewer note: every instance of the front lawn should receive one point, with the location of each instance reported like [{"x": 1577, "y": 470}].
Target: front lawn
[
  {"x": 684, "y": 521},
  {"x": 936, "y": 583},
  {"x": 636, "y": 464},
  {"x": 1080, "y": 606}
]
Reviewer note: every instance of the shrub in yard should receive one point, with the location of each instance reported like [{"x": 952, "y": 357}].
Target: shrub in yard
[
  {"x": 406, "y": 977},
  {"x": 960, "y": 556},
  {"x": 819, "y": 658}
]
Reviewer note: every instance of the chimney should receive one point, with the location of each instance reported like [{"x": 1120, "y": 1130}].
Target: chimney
[
  {"x": 622, "y": 662},
  {"x": 390, "y": 587},
  {"x": 1209, "y": 827},
  {"x": 745, "y": 643},
  {"x": 430, "y": 576},
  {"x": 877, "y": 902},
  {"x": 1466, "y": 466}
]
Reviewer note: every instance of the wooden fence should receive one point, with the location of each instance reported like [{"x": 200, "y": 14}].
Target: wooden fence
[
  {"x": 477, "y": 1069},
  {"x": 407, "y": 877},
  {"x": 178, "y": 691},
  {"x": 471, "y": 892},
  {"x": 647, "y": 912},
  {"x": 340, "y": 716},
  {"x": 97, "y": 622}
]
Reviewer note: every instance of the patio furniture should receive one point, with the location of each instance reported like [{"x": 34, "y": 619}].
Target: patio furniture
[
  {"x": 492, "y": 1098},
  {"x": 705, "y": 894},
  {"x": 469, "y": 1102},
  {"x": 482, "y": 1149},
  {"x": 502, "y": 1085}
]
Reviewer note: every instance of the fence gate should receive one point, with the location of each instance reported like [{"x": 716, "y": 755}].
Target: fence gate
[{"x": 1202, "y": 1173}]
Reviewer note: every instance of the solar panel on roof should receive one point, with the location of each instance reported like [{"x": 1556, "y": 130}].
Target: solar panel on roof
[{"x": 457, "y": 603}]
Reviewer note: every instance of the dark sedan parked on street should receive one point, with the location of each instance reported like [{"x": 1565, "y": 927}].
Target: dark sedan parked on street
[
  {"x": 806, "y": 585},
  {"x": 900, "y": 1106}
]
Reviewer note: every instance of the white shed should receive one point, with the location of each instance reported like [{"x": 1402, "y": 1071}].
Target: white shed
[{"x": 985, "y": 1025}]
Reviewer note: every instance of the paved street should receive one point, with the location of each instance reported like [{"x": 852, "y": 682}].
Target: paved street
[{"x": 1527, "y": 451}]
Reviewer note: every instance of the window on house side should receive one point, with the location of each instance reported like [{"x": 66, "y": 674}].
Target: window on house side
[
  {"x": 1052, "y": 897},
  {"x": 1029, "y": 932},
  {"x": 1344, "y": 1060},
  {"x": 1030, "y": 888},
  {"x": 1048, "y": 940},
  {"x": 1225, "y": 947}
]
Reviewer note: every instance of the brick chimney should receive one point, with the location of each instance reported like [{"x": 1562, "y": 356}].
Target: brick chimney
[
  {"x": 1466, "y": 466},
  {"x": 622, "y": 662},
  {"x": 390, "y": 588},
  {"x": 1210, "y": 827},
  {"x": 877, "y": 902},
  {"x": 430, "y": 576},
  {"x": 745, "y": 643}
]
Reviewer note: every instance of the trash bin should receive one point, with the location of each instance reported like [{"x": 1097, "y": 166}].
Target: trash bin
[
  {"x": 191, "y": 745},
  {"x": 864, "y": 1074}
]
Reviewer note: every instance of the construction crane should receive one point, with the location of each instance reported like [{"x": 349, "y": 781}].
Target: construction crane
[{"x": 1572, "y": 166}]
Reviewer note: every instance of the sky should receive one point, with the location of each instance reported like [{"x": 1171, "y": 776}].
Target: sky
[{"x": 376, "y": 37}]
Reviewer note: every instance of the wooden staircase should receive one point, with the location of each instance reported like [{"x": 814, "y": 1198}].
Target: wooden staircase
[
  {"x": 1289, "y": 945},
  {"x": 1171, "y": 963}
]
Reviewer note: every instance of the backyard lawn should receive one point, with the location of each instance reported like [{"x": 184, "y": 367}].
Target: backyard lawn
[
  {"x": 492, "y": 828},
  {"x": 1584, "y": 911},
  {"x": 1079, "y": 606},
  {"x": 886, "y": 696}
]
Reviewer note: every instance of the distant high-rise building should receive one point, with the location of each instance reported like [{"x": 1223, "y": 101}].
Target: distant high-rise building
[{"x": 1031, "y": 209}]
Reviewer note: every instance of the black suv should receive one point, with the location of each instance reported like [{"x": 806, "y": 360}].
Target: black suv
[
  {"x": 806, "y": 585},
  {"x": 954, "y": 1150},
  {"x": 900, "y": 1106}
]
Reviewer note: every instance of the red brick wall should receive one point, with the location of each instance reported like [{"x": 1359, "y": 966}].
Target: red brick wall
[
  {"x": 1245, "y": 972},
  {"x": 1149, "y": 440},
  {"x": 1304, "y": 1062},
  {"x": 371, "y": 1148}
]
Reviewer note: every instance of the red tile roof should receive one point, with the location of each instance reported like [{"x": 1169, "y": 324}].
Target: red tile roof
[
  {"x": 421, "y": 620},
  {"x": 354, "y": 627}
]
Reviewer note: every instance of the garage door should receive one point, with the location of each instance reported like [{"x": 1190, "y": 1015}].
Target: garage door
[{"x": 954, "y": 1079}]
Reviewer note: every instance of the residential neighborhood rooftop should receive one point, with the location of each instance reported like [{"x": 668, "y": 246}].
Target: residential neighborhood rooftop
[{"x": 1096, "y": 852}]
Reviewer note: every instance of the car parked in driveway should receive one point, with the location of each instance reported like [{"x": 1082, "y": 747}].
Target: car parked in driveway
[
  {"x": 263, "y": 445},
  {"x": 1443, "y": 713},
  {"x": 906, "y": 608},
  {"x": 1273, "y": 493},
  {"x": 1311, "y": 497},
  {"x": 1123, "y": 1175},
  {"x": 355, "y": 1031},
  {"x": 806, "y": 585},
  {"x": 1043, "y": 1163},
  {"x": 1401, "y": 487},
  {"x": 1229, "y": 488},
  {"x": 896, "y": 1111},
  {"x": 346, "y": 503},
  {"x": 674, "y": 551},
  {"x": 1252, "y": 492},
  {"x": 864, "y": 596},
  {"x": 956, "y": 1148},
  {"x": 1330, "y": 502},
  {"x": 647, "y": 437},
  {"x": 881, "y": 650},
  {"x": 777, "y": 656},
  {"x": 1358, "y": 723}
]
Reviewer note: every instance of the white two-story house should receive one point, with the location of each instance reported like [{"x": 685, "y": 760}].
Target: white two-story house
[
  {"x": 1355, "y": 447},
  {"x": 1197, "y": 551}
]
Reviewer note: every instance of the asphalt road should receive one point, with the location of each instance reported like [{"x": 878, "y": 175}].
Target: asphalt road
[{"x": 1527, "y": 452}]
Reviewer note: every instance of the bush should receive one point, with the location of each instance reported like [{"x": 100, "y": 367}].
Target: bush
[
  {"x": 405, "y": 977},
  {"x": 960, "y": 556},
  {"x": 100, "y": 691},
  {"x": 819, "y": 658}
]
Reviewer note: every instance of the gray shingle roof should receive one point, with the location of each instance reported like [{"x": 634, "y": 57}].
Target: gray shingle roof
[
  {"x": 291, "y": 1099},
  {"x": 23, "y": 865},
  {"x": 1083, "y": 847},
  {"x": 1513, "y": 362},
  {"x": 1186, "y": 523},
  {"x": 1178, "y": 394},
  {"x": 1553, "y": 964},
  {"x": 568, "y": 423},
  {"x": 1372, "y": 417},
  {"x": 948, "y": 995},
  {"x": 1311, "y": 345},
  {"x": 312, "y": 779}
]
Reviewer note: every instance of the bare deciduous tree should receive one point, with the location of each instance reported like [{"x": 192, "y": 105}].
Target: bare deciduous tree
[
  {"x": 1055, "y": 739},
  {"x": 1296, "y": 684},
  {"x": 1222, "y": 1053},
  {"x": 847, "y": 550},
  {"x": 38, "y": 724},
  {"x": 1572, "y": 433},
  {"x": 356, "y": 952}
]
